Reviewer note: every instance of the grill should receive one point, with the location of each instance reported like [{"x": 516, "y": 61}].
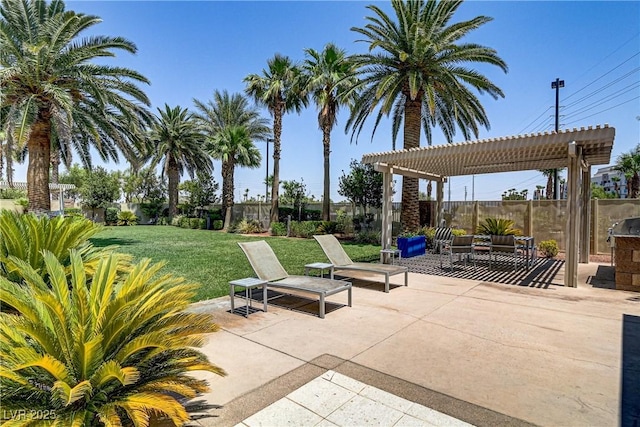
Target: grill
[{"x": 624, "y": 239}]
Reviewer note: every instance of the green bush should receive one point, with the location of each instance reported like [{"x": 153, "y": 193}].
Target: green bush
[
  {"x": 304, "y": 229},
  {"x": 127, "y": 218},
  {"x": 498, "y": 227},
  {"x": 215, "y": 214},
  {"x": 344, "y": 223},
  {"x": 368, "y": 237},
  {"x": 248, "y": 226},
  {"x": 217, "y": 224},
  {"x": 87, "y": 348},
  {"x": 111, "y": 216},
  {"x": 194, "y": 223},
  {"x": 548, "y": 248},
  {"x": 12, "y": 193},
  {"x": 202, "y": 223},
  {"x": 72, "y": 211},
  {"x": 278, "y": 229},
  {"x": 176, "y": 220},
  {"x": 328, "y": 227},
  {"x": 185, "y": 222}
]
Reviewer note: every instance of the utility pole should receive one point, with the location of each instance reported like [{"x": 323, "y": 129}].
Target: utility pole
[{"x": 557, "y": 85}]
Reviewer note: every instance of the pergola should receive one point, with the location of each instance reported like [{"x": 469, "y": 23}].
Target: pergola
[
  {"x": 577, "y": 150},
  {"x": 52, "y": 186}
]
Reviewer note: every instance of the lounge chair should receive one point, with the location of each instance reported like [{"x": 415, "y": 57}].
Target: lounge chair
[
  {"x": 341, "y": 261},
  {"x": 267, "y": 267}
]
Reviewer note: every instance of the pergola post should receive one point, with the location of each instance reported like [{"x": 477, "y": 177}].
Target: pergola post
[
  {"x": 585, "y": 216},
  {"x": 439, "y": 202},
  {"x": 573, "y": 220},
  {"x": 387, "y": 211}
]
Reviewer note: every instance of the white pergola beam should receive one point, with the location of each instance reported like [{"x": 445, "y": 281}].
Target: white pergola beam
[{"x": 412, "y": 173}]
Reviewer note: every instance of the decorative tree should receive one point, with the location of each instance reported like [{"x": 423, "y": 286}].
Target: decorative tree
[
  {"x": 362, "y": 186},
  {"x": 100, "y": 189}
]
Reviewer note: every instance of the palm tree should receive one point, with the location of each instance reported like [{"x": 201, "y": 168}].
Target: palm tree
[
  {"x": 548, "y": 173},
  {"x": 233, "y": 146},
  {"x": 415, "y": 69},
  {"x": 330, "y": 75},
  {"x": 231, "y": 126},
  {"x": 179, "y": 143},
  {"x": 278, "y": 89},
  {"x": 616, "y": 185},
  {"x": 48, "y": 82},
  {"x": 629, "y": 165}
]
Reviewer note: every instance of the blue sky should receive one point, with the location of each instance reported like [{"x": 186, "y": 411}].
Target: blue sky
[{"x": 189, "y": 49}]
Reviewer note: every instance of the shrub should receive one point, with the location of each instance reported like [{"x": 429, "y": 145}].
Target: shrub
[
  {"x": 368, "y": 237},
  {"x": 217, "y": 224},
  {"x": 548, "y": 248},
  {"x": 498, "y": 227},
  {"x": 194, "y": 223},
  {"x": 328, "y": 227},
  {"x": 248, "y": 226},
  {"x": 304, "y": 229},
  {"x": 185, "y": 222},
  {"x": 12, "y": 193},
  {"x": 202, "y": 223},
  {"x": 215, "y": 214},
  {"x": 163, "y": 220},
  {"x": 103, "y": 349},
  {"x": 111, "y": 216},
  {"x": 24, "y": 237},
  {"x": 278, "y": 229},
  {"x": 344, "y": 222},
  {"x": 176, "y": 220},
  {"x": 127, "y": 218},
  {"x": 73, "y": 212}
]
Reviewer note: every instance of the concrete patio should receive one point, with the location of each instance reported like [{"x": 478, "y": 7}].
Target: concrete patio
[{"x": 484, "y": 353}]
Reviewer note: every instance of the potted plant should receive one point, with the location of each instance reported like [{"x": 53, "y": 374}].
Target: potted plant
[{"x": 411, "y": 244}]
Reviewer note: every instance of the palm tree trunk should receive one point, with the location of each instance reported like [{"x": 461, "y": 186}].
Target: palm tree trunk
[
  {"x": 55, "y": 165},
  {"x": 227, "y": 191},
  {"x": 174, "y": 178},
  {"x": 549, "y": 189},
  {"x": 277, "y": 132},
  {"x": 410, "y": 214},
  {"x": 635, "y": 186},
  {"x": 39, "y": 147},
  {"x": 326, "y": 142}
]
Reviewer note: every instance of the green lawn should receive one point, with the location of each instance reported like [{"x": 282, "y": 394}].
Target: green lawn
[{"x": 213, "y": 258}]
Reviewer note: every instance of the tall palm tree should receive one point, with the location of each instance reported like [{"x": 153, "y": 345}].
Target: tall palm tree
[
  {"x": 416, "y": 69},
  {"x": 178, "y": 142},
  {"x": 629, "y": 165},
  {"x": 231, "y": 125},
  {"x": 233, "y": 146},
  {"x": 279, "y": 89},
  {"x": 48, "y": 81},
  {"x": 549, "y": 174},
  {"x": 330, "y": 74}
]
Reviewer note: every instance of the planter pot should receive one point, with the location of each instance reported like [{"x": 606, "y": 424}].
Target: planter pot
[{"x": 412, "y": 246}]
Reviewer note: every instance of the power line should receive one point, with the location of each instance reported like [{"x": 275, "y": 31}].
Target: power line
[
  {"x": 606, "y": 109},
  {"x": 604, "y": 100},
  {"x": 603, "y": 75},
  {"x": 608, "y": 85},
  {"x": 534, "y": 120}
]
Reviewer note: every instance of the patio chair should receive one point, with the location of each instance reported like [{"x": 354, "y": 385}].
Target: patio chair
[
  {"x": 341, "y": 261},
  {"x": 267, "y": 267},
  {"x": 504, "y": 245},
  {"x": 443, "y": 235},
  {"x": 461, "y": 245}
]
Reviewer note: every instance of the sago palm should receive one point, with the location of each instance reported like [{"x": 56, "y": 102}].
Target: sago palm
[
  {"x": 330, "y": 75},
  {"x": 231, "y": 125},
  {"x": 23, "y": 238},
  {"x": 417, "y": 69},
  {"x": 178, "y": 142},
  {"x": 279, "y": 89},
  {"x": 50, "y": 85},
  {"x": 101, "y": 349}
]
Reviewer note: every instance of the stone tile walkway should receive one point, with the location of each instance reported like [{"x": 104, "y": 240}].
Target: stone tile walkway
[{"x": 334, "y": 399}]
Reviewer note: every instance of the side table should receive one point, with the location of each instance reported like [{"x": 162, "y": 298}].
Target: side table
[
  {"x": 392, "y": 253},
  {"x": 319, "y": 266},
  {"x": 248, "y": 283}
]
